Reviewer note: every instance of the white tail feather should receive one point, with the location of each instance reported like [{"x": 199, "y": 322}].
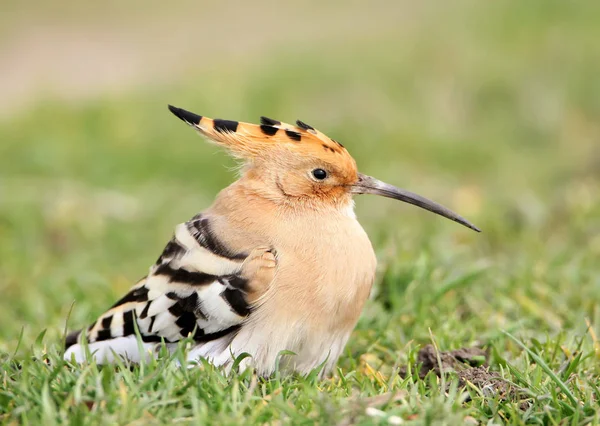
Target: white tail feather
[{"x": 104, "y": 352}]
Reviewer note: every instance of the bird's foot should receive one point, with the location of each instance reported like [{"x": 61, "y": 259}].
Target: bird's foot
[{"x": 259, "y": 270}]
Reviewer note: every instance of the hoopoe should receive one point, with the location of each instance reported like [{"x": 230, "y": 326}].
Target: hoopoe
[{"x": 278, "y": 263}]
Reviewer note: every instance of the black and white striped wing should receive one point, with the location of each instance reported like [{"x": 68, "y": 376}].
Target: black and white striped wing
[{"x": 194, "y": 289}]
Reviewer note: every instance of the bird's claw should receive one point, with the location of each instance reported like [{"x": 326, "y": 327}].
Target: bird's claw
[{"x": 259, "y": 270}]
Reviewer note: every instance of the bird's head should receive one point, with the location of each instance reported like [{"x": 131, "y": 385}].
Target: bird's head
[{"x": 300, "y": 164}]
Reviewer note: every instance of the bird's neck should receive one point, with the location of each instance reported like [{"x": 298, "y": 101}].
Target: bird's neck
[{"x": 260, "y": 216}]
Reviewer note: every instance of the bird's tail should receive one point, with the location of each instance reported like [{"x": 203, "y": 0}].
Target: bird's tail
[{"x": 113, "y": 333}]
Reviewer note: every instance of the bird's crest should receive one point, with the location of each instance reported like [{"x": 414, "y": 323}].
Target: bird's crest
[{"x": 248, "y": 140}]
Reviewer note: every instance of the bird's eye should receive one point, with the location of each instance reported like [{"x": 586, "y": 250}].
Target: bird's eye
[{"x": 319, "y": 174}]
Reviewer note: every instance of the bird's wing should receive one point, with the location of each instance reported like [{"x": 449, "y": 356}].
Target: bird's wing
[{"x": 195, "y": 289}]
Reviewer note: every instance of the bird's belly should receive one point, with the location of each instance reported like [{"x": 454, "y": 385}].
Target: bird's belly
[{"x": 294, "y": 349}]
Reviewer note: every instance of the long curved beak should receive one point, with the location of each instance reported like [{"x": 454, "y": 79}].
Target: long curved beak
[{"x": 369, "y": 185}]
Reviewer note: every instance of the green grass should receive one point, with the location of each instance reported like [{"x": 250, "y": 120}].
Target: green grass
[{"x": 490, "y": 108}]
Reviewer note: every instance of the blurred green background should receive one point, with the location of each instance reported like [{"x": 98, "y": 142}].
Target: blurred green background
[{"x": 491, "y": 108}]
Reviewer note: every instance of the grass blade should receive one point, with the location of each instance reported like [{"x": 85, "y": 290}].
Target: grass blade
[{"x": 547, "y": 369}]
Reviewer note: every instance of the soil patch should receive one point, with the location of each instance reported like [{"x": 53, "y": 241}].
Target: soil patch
[{"x": 469, "y": 364}]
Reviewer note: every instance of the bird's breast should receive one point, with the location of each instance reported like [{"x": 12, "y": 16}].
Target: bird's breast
[{"x": 325, "y": 272}]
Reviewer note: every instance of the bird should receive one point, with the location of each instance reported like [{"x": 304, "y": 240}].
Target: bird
[{"x": 278, "y": 267}]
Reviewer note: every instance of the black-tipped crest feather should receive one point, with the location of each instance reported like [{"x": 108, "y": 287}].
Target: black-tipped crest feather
[
  {"x": 304, "y": 126},
  {"x": 186, "y": 116},
  {"x": 269, "y": 121}
]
